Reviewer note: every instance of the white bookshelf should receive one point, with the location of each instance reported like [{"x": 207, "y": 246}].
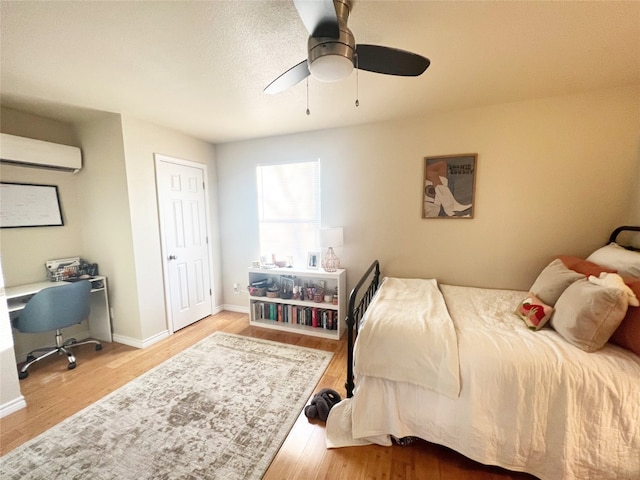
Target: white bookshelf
[{"x": 329, "y": 317}]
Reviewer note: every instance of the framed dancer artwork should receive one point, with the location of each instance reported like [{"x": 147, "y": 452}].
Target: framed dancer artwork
[{"x": 449, "y": 186}]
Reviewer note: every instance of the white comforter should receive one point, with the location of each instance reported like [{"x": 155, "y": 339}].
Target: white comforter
[
  {"x": 424, "y": 351},
  {"x": 529, "y": 401}
]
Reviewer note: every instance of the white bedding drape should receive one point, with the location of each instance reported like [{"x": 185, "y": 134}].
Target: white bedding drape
[
  {"x": 529, "y": 401},
  {"x": 424, "y": 351}
]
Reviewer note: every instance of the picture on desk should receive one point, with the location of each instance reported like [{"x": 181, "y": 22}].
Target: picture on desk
[{"x": 92, "y": 269}]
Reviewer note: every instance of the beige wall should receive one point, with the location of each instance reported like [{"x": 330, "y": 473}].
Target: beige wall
[
  {"x": 110, "y": 212},
  {"x": 141, "y": 141},
  {"x": 11, "y": 398},
  {"x": 554, "y": 176},
  {"x": 106, "y": 220},
  {"x": 23, "y": 124},
  {"x": 24, "y": 251},
  {"x": 634, "y": 217},
  {"x": 95, "y": 209},
  {"x": 111, "y": 215}
]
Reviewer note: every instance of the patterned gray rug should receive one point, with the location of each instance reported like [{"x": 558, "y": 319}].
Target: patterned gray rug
[{"x": 219, "y": 410}]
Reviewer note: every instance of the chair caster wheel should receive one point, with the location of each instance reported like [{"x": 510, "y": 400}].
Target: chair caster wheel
[
  {"x": 22, "y": 375},
  {"x": 71, "y": 366},
  {"x": 98, "y": 347}
]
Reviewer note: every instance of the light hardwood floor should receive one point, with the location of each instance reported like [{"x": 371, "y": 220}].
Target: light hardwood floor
[{"x": 54, "y": 393}]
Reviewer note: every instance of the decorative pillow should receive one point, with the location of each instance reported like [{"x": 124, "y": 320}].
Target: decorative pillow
[
  {"x": 584, "y": 267},
  {"x": 627, "y": 335},
  {"x": 626, "y": 262},
  {"x": 586, "y": 314},
  {"x": 534, "y": 312},
  {"x": 552, "y": 281}
]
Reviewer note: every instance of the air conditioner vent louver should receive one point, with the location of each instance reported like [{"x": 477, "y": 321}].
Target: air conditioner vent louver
[{"x": 28, "y": 152}]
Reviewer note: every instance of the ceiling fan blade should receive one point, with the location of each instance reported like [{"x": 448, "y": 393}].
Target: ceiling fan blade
[
  {"x": 289, "y": 78},
  {"x": 319, "y": 17},
  {"x": 390, "y": 61}
]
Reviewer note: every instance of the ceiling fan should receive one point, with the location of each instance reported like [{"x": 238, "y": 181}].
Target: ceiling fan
[{"x": 333, "y": 53}]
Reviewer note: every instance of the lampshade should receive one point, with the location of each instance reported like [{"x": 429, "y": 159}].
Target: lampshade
[
  {"x": 331, "y": 237},
  {"x": 331, "y": 68}
]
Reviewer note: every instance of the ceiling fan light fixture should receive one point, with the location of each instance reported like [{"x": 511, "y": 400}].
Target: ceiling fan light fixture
[
  {"x": 331, "y": 59},
  {"x": 332, "y": 53},
  {"x": 331, "y": 68}
]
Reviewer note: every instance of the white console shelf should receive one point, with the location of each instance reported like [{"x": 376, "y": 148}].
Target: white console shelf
[{"x": 323, "y": 319}]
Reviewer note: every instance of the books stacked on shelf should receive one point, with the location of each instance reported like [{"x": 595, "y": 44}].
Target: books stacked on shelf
[{"x": 296, "y": 315}]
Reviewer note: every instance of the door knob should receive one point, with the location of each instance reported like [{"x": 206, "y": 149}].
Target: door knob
[{"x": 172, "y": 257}]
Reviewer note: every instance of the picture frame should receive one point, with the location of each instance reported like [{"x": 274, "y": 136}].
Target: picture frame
[
  {"x": 287, "y": 283},
  {"x": 448, "y": 186},
  {"x": 29, "y": 205},
  {"x": 313, "y": 260}
]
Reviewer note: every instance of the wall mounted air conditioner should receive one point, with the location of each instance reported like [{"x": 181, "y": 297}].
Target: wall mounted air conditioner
[{"x": 27, "y": 152}]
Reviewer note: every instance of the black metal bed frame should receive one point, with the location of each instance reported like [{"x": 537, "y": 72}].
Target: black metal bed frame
[
  {"x": 355, "y": 312},
  {"x": 625, "y": 228},
  {"x": 356, "y": 308}
]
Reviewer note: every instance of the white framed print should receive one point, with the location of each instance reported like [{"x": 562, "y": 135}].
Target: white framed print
[
  {"x": 313, "y": 260},
  {"x": 449, "y": 186}
]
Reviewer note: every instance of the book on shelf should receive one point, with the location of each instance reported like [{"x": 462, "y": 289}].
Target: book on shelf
[{"x": 315, "y": 317}]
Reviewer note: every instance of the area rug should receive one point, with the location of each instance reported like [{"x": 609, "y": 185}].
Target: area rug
[{"x": 218, "y": 410}]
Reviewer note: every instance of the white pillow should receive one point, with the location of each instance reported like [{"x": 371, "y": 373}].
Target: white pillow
[{"x": 626, "y": 262}]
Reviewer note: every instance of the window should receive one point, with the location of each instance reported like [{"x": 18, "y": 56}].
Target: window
[{"x": 289, "y": 210}]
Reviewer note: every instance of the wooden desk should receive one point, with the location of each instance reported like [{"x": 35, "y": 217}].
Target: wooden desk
[{"x": 99, "y": 319}]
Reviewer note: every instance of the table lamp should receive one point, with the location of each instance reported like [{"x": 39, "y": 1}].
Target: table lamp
[{"x": 329, "y": 238}]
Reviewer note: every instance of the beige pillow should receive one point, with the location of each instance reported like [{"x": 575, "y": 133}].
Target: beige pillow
[
  {"x": 554, "y": 280},
  {"x": 586, "y": 314}
]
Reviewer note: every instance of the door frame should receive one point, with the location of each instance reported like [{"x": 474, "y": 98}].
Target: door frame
[{"x": 158, "y": 158}]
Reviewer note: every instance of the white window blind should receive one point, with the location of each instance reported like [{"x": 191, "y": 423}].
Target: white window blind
[{"x": 289, "y": 210}]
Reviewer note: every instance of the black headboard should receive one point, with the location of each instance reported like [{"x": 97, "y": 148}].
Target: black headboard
[{"x": 619, "y": 230}]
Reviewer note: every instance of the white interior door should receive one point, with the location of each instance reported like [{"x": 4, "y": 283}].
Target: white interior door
[{"x": 184, "y": 229}]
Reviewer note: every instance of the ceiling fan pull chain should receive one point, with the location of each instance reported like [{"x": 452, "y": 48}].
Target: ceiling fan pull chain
[
  {"x": 357, "y": 83},
  {"x": 308, "y": 111}
]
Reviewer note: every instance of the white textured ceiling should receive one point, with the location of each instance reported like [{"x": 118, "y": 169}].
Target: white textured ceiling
[{"x": 200, "y": 66}]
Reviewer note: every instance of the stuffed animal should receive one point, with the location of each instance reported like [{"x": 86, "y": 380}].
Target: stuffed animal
[
  {"x": 321, "y": 403},
  {"x": 613, "y": 280}
]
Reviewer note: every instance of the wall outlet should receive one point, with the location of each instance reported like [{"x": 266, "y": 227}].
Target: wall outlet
[{"x": 236, "y": 288}]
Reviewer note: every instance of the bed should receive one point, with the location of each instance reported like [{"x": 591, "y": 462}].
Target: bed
[{"x": 465, "y": 368}]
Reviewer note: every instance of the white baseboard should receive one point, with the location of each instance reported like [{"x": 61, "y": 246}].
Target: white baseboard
[
  {"x": 136, "y": 343},
  {"x": 236, "y": 308},
  {"x": 155, "y": 338},
  {"x": 12, "y": 406}
]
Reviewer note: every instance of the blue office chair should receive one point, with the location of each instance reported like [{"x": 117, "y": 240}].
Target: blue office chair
[{"x": 54, "y": 308}]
